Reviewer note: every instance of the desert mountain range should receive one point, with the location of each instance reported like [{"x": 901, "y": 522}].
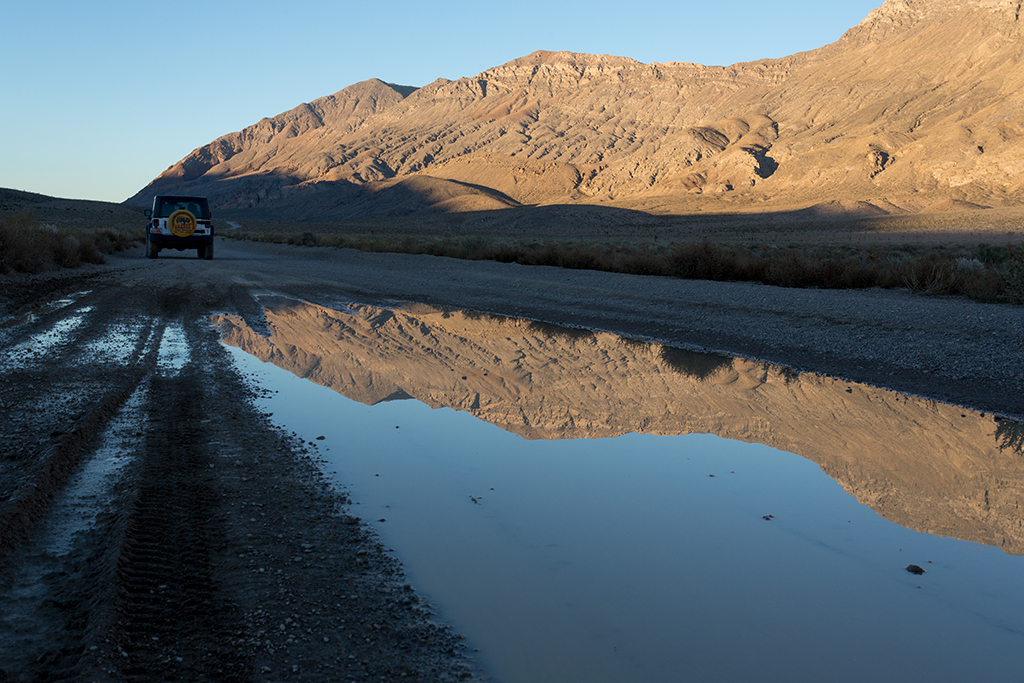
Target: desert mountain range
[
  {"x": 920, "y": 107},
  {"x": 929, "y": 466}
]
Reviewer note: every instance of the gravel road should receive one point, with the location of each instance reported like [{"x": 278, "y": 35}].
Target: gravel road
[
  {"x": 155, "y": 525},
  {"x": 944, "y": 348}
]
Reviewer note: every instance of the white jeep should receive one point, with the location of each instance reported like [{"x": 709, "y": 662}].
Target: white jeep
[{"x": 179, "y": 223}]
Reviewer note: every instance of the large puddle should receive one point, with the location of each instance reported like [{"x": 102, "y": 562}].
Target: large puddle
[{"x": 588, "y": 508}]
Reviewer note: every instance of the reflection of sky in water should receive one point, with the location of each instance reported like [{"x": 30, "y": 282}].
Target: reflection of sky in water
[
  {"x": 624, "y": 560},
  {"x": 32, "y": 316},
  {"x": 36, "y": 347},
  {"x": 116, "y": 346},
  {"x": 173, "y": 353}
]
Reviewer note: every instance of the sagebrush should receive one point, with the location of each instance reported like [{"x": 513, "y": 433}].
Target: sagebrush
[
  {"x": 28, "y": 246},
  {"x": 981, "y": 272}
]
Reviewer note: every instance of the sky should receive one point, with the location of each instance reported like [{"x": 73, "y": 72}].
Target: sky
[{"x": 84, "y": 112}]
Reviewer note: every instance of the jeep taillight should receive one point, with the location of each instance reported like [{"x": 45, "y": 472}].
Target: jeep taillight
[{"x": 156, "y": 222}]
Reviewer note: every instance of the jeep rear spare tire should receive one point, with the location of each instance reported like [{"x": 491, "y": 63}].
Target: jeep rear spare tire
[{"x": 182, "y": 223}]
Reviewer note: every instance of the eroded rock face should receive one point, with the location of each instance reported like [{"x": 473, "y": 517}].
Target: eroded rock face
[
  {"x": 928, "y": 466},
  {"x": 919, "y": 104}
]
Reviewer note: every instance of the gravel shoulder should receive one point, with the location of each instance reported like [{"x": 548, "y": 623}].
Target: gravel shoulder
[{"x": 155, "y": 524}]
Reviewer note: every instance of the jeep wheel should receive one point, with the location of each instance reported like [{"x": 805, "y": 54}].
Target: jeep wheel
[
  {"x": 151, "y": 249},
  {"x": 205, "y": 251}
]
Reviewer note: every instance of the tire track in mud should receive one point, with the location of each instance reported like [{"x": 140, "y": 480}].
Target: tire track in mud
[
  {"x": 168, "y": 605},
  {"x": 47, "y": 583},
  {"x": 141, "y": 583},
  {"x": 218, "y": 552},
  {"x": 44, "y": 472},
  {"x": 61, "y": 461},
  {"x": 48, "y": 595}
]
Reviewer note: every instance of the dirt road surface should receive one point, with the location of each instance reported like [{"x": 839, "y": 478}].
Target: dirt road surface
[{"x": 154, "y": 525}]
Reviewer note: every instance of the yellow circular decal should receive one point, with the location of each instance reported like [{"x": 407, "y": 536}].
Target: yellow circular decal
[{"x": 182, "y": 223}]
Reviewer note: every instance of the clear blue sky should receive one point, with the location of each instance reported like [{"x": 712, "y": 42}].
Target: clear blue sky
[{"x": 81, "y": 116}]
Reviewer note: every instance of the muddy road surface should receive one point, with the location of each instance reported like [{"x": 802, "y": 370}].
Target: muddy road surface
[{"x": 154, "y": 525}]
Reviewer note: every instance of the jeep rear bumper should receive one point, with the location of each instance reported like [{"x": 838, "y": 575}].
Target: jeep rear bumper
[{"x": 175, "y": 242}]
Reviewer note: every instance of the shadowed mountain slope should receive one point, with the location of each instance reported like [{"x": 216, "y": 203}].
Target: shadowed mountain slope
[{"x": 917, "y": 108}]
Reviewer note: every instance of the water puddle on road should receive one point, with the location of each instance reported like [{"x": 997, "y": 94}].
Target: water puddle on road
[
  {"x": 78, "y": 506},
  {"x": 589, "y": 508},
  {"x": 34, "y": 349},
  {"x": 117, "y": 346},
  {"x": 30, "y": 615},
  {"x": 32, "y": 316},
  {"x": 174, "y": 352}
]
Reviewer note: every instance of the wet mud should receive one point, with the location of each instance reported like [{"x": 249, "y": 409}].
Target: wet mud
[{"x": 155, "y": 526}]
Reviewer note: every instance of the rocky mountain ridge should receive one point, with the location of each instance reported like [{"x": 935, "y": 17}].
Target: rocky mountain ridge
[{"x": 916, "y": 108}]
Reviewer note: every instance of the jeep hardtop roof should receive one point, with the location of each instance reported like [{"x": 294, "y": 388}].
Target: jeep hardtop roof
[{"x": 165, "y": 205}]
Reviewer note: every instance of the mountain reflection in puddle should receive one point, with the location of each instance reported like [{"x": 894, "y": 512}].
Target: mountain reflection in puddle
[{"x": 569, "y": 555}]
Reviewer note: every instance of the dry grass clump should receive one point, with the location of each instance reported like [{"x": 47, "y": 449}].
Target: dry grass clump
[
  {"x": 980, "y": 272},
  {"x": 27, "y": 246},
  {"x": 1013, "y": 276}
]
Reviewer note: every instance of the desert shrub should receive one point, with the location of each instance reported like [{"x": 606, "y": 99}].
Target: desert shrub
[
  {"x": 752, "y": 267},
  {"x": 17, "y": 252},
  {"x": 864, "y": 273},
  {"x": 788, "y": 269},
  {"x": 306, "y": 239},
  {"x": 966, "y": 264},
  {"x": 67, "y": 251},
  {"x": 982, "y": 285},
  {"x": 643, "y": 263},
  {"x": 929, "y": 274},
  {"x": 983, "y": 272},
  {"x": 476, "y": 248},
  {"x": 26, "y": 246},
  {"x": 701, "y": 261},
  {"x": 578, "y": 258},
  {"x": 506, "y": 253},
  {"x": 562, "y": 256},
  {"x": 1013, "y": 276}
]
